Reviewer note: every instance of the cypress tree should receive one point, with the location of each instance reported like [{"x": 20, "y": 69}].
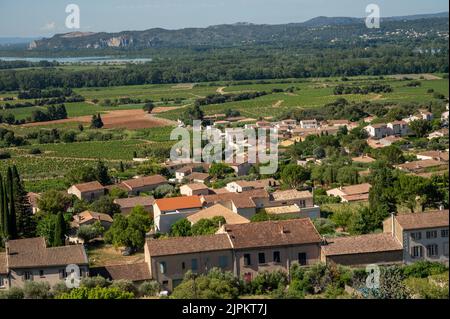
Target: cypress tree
[
  {"x": 5, "y": 224},
  {"x": 60, "y": 230},
  {"x": 1, "y": 206},
  {"x": 12, "y": 206},
  {"x": 24, "y": 211}
]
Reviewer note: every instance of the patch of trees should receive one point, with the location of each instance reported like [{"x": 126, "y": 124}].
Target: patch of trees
[
  {"x": 52, "y": 113},
  {"x": 224, "y": 98},
  {"x": 35, "y": 93},
  {"x": 8, "y": 138},
  {"x": 371, "y": 88}
]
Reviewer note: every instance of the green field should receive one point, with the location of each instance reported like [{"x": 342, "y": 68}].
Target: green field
[{"x": 308, "y": 93}]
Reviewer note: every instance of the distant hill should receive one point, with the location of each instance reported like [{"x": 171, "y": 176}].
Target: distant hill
[{"x": 242, "y": 33}]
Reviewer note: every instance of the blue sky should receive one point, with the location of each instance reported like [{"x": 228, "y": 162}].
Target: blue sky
[{"x": 46, "y": 17}]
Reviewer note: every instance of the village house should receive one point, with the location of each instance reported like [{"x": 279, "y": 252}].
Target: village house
[
  {"x": 421, "y": 166},
  {"x": 377, "y": 130},
  {"x": 134, "y": 272},
  {"x": 353, "y": 193},
  {"x": 398, "y": 128},
  {"x": 183, "y": 172},
  {"x": 87, "y": 191},
  {"x": 422, "y": 235},
  {"x": 241, "y": 186},
  {"x": 127, "y": 204},
  {"x": 197, "y": 177},
  {"x": 244, "y": 204},
  {"x": 243, "y": 249},
  {"x": 406, "y": 238},
  {"x": 433, "y": 155},
  {"x": 194, "y": 189},
  {"x": 31, "y": 260},
  {"x": 218, "y": 210},
  {"x": 167, "y": 211},
  {"x": 289, "y": 122},
  {"x": 33, "y": 199},
  {"x": 439, "y": 133},
  {"x": 89, "y": 218},
  {"x": 362, "y": 250},
  {"x": 136, "y": 186},
  {"x": 308, "y": 124}
]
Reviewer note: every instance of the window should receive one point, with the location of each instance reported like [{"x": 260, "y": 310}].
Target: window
[
  {"x": 223, "y": 261},
  {"x": 431, "y": 234},
  {"x": 183, "y": 265},
  {"x": 262, "y": 258},
  {"x": 432, "y": 250},
  {"x": 416, "y": 235},
  {"x": 41, "y": 274},
  {"x": 302, "y": 259},
  {"x": 194, "y": 265},
  {"x": 416, "y": 251},
  {"x": 276, "y": 257},
  {"x": 27, "y": 275},
  {"x": 302, "y": 204},
  {"x": 62, "y": 274},
  {"x": 247, "y": 260},
  {"x": 2, "y": 282},
  {"x": 444, "y": 233},
  {"x": 162, "y": 267}
]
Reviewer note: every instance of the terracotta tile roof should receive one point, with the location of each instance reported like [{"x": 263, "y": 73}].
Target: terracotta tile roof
[
  {"x": 435, "y": 155},
  {"x": 218, "y": 210},
  {"x": 423, "y": 220},
  {"x": 3, "y": 268},
  {"x": 357, "y": 189},
  {"x": 29, "y": 253},
  {"x": 87, "y": 216},
  {"x": 361, "y": 244},
  {"x": 289, "y": 209},
  {"x": 196, "y": 186},
  {"x": 417, "y": 165},
  {"x": 273, "y": 233},
  {"x": 145, "y": 181},
  {"x": 198, "y": 176},
  {"x": 133, "y": 272},
  {"x": 240, "y": 200},
  {"x": 380, "y": 125},
  {"x": 177, "y": 203},
  {"x": 356, "y": 197},
  {"x": 186, "y": 245},
  {"x": 131, "y": 202},
  {"x": 89, "y": 187},
  {"x": 263, "y": 183},
  {"x": 291, "y": 194}
]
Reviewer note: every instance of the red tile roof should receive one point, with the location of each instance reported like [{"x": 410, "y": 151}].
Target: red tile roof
[
  {"x": 361, "y": 244},
  {"x": 187, "y": 245},
  {"x": 89, "y": 187},
  {"x": 431, "y": 219},
  {"x": 133, "y": 272},
  {"x": 131, "y": 202},
  {"x": 273, "y": 233},
  {"x": 177, "y": 203},
  {"x": 144, "y": 181}
]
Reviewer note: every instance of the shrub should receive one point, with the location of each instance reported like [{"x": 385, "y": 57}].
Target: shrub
[
  {"x": 91, "y": 282},
  {"x": 266, "y": 282},
  {"x": 13, "y": 293},
  {"x": 37, "y": 290},
  {"x": 35, "y": 151},
  {"x": 96, "y": 293},
  {"x": 423, "y": 269},
  {"x": 124, "y": 285},
  {"x": 60, "y": 288},
  {"x": 4, "y": 155},
  {"x": 149, "y": 288}
]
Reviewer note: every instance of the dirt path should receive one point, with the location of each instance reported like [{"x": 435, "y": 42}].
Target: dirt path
[
  {"x": 278, "y": 103},
  {"x": 377, "y": 97},
  {"x": 221, "y": 90}
]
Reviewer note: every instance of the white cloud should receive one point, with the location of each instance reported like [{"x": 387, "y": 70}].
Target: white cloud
[{"x": 49, "y": 26}]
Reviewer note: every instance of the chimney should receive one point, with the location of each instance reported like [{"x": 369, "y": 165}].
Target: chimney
[{"x": 393, "y": 224}]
